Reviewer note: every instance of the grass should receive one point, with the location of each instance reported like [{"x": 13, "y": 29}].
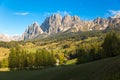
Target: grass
[
  {"x": 106, "y": 69},
  {"x": 4, "y": 69},
  {"x": 71, "y": 62},
  {"x": 4, "y": 53}
]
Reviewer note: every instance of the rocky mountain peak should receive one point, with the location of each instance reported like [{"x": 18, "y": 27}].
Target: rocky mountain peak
[
  {"x": 76, "y": 18},
  {"x": 67, "y": 16},
  {"x": 52, "y": 24},
  {"x": 66, "y": 19},
  {"x": 56, "y": 16},
  {"x": 35, "y": 24},
  {"x": 100, "y": 23},
  {"x": 98, "y": 20},
  {"x": 32, "y": 31},
  {"x": 55, "y": 23},
  {"x": 114, "y": 21}
]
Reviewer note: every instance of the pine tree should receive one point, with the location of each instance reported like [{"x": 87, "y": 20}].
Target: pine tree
[
  {"x": 111, "y": 45},
  {"x": 12, "y": 58}
]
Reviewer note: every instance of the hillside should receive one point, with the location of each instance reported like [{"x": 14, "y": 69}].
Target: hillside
[
  {"x": 106, "y": 69},
  {"x": 3, "y": 53}
]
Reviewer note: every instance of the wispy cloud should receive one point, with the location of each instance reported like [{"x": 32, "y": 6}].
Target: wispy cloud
[
  {"x": 63, "y": 13},
  {"x": 113, "y": 12},
  {"x": 21, "y": 13}
]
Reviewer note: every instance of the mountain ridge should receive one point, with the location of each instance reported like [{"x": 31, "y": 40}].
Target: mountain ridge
[
  {"x": 8, "y": 38},
  {"x": 56, "y": 23}
]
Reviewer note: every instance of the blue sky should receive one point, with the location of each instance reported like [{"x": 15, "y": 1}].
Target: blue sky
[{"x": 16, "y": 15}]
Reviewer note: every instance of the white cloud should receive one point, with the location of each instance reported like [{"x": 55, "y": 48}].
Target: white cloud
[
  {"x": 113, "y": 12},
  {"x": 62, "y": 13},
  {"x": 21, "y": 13}
]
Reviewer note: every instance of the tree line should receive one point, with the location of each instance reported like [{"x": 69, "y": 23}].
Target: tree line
[
  {"x": 91, "y": 52},
  {"x": 22, "y": 59}
]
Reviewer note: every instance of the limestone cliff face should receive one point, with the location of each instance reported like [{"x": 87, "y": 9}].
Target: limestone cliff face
[
  {"x": 52, "y": 24},
  {"x": 56, "y": 23},
  {"x": 72, "y": 23},
  {"x": 32, "y": 31},
  {"x": 114, "y": 22},
  {"x": 100, "y": 23}
]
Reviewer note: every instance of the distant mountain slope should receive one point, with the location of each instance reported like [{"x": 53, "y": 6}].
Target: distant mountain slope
[
  {"x": 7, "y": 38},
  {"x": 106, "y": 69}
]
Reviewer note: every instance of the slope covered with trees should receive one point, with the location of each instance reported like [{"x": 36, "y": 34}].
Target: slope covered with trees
[{"x": 21, "y": 60}]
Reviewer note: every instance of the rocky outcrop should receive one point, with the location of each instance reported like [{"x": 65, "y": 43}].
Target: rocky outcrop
[
  {"x": 100, "y": 24},
  {"x": 52, "y": 24},
  {"x": 32, "y": 31},
  {"x": 56, "y": 23},
  {"x": 72, "y": 23},
  {"x": 114, "y": 22}
]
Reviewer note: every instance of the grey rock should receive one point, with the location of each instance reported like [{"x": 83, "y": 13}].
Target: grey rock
[
  {"x": 52, "y": 24},
  {"x": 32, "y": 31}
]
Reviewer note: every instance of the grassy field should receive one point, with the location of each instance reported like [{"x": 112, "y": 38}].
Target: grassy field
[
  {"x": 4, "y": 53},
  {"x": 106, "y": 69},
  {"x": 71, "y": 62}
]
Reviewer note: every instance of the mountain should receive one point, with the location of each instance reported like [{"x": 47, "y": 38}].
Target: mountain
[
  {"x": 52, "y": 24},
  {"x": 72, "y": 22},
  {"x": 100, "y": 24},
  {"x": 8, "y": 38},
  {"x": 114, "y": 22},
  {"x": 32, "y": 31},
  {"x": 56, "y": 23},
  {"x": 16, "y": 38},
  {"x": 4, "y": 37}
]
